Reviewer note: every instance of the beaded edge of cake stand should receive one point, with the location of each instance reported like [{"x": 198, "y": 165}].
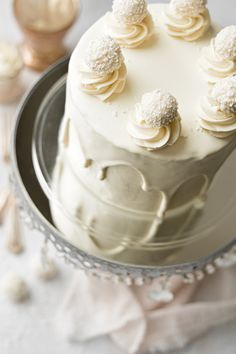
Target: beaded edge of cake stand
[{"x": 116, "y": 272}]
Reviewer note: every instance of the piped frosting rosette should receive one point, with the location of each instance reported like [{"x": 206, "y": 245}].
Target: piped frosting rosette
[
  {"x": 218, "y": 60},
  {"x": 156, "y": 121},
  {"x": 218, "y": 111},
  {"x": 129, "y": 23},
  {"x": 103, "y": 72},
  {"x": 187, "y": 19}
]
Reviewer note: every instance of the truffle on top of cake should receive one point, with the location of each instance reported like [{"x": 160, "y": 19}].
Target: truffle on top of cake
[
  {"x": 187, "y": 19},
  {"x": 130, "y": 22},
  {"x": 218, "y": 60},
  {"x": 218, "y": 111},
  {"x": 156, "y": 121},
  {"x": 103, "y": 71}
]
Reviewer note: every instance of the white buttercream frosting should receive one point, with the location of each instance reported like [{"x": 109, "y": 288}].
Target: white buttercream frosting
[
  {"x": 218, "y": 111},
  {"x": 156, "y": 122},
  {"x": 187, "y": 19},
  {"x": 102, "y": 86},
  {"x": 103, "y": 72},
  {"x": 214, "y": 66},
  {"x": 10, "y": 61},
  {"x": 130, "y": 35}
]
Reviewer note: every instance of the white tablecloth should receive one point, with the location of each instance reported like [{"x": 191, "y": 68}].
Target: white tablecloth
[{"x": 28, "y": 328}]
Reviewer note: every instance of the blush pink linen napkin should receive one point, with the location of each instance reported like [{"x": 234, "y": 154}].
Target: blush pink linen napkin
[{"x": 139, "y": 324}]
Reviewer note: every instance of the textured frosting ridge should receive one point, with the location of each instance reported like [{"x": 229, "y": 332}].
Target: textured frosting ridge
[
  {"x": 10, "y": 60},
  {"x": 218, "y": 111},
  {"x": 103, "y": 72},
  {"x": 130, "y": 35},
  {"x": 156, "y": 122},
  {"x": 187, "y": 19}
]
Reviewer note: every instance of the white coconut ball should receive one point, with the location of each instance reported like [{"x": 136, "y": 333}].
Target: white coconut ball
[
  {"x": 158, "y": 108},
  {"x": 15, "y": 288},
  {"x": 44, "y": 269},
  {"x": 129, "y": 11},
  {"x": 188, "y": 8},
  {"x": 224, "y": 93},
  {"x": 104, "y": 55},
  {"x": 225, "y": 43}
]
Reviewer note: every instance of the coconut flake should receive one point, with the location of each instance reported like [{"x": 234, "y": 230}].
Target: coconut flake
[
  {"x": 104, "y": 55},
  {"x": 158, "y": 108},
  {"x": 224, "y": 93},
  {"x": 188, "y": 8},
  {"x": 225, "y": 43},
  {"x": 129, "y": 11}
]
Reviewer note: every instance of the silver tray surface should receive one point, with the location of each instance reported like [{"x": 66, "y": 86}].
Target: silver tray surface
[{"x": 35, "y": 206}]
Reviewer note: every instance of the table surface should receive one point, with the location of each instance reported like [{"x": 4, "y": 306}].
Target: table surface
[{"x": 30, "y": 325}]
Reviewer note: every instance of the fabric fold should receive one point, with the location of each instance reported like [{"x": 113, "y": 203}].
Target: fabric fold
[{"x": 138, "y": 323}]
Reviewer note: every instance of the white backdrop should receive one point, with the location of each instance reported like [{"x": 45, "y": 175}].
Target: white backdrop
[{"x": 28, "y": 328}]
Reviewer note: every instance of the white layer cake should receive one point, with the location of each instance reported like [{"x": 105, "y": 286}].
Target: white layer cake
[{"x": 118, "y": 199}]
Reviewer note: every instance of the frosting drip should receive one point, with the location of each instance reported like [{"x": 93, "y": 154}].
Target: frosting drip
[
  {"x": 216, "y": 122},
  {"x": 153, "y": 138},
  {"x": 102, "y": 86},
  {"x": 215, "y": 67},
  {"x": 130, "y": 35},
  {"x": 188, "y": 28}
]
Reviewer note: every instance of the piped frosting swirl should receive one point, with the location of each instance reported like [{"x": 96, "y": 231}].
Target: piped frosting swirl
[
  {"x": 187, "y": 19},
  {"x": 218, "y": 111},
  {"x": 130, "y": 24},
  {"x": 218, "y": 60},
  {"x": 130, "y": 36},
  {"x": 156, "y": 122},
  {"x": 103, "y": 72}
]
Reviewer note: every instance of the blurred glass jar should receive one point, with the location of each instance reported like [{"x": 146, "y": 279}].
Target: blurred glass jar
[
  {"x": 44, "y": 24},
  {"x": 11, "y": 65}
]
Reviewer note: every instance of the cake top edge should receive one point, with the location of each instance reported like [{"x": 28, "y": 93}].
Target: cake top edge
[{"x": 115, "y": 109}]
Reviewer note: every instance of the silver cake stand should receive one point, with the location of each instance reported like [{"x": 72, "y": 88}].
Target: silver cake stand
[{"x": 200, "y": 258}]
